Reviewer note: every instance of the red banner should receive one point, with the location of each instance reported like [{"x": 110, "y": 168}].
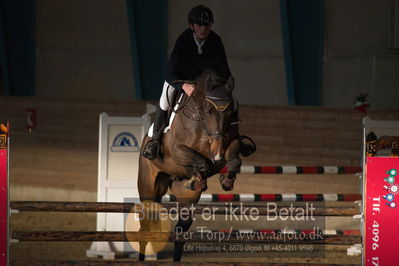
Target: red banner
[
  {"x": 381, "y": 232},
  {"x": 3, "y": 207}
]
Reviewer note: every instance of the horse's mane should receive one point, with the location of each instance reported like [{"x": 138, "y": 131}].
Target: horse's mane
[{"x": 216, "y": 79}]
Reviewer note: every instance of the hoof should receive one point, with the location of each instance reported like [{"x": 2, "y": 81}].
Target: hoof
[
  {"x": 247, "y": 149},
  {"x": 193, "y": 184},
  {"x": 226, "y": 183},
  {"x": 141, "y": 257}
]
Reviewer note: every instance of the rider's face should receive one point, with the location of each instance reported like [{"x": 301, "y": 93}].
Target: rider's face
[{"x": 201, "y": 31}]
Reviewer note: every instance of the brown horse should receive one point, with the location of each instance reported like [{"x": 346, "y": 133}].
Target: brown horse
[{"x": 198, "y": 145}]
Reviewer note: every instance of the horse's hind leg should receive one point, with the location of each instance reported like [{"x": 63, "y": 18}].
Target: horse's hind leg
[
  {"x": 154, "y": 224},
  {"x": 152, "y": 186},
  {"x": 182, "y": 226},
  {"x": 233, "y": 166},
  {"x": 143, "y": 246},
  {"x": 183, "y": 196},
  {"x": 144, "y": 227}
]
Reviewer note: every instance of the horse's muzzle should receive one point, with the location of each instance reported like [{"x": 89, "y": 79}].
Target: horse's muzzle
[{"x": 217, "y": 150}]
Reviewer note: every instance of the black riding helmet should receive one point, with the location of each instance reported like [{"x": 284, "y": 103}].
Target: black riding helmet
[{"x": 200, "y": 15}]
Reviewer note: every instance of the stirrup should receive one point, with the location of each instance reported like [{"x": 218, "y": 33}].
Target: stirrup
[
  {"x": 151, "y": 150},
  {"x": 247, "y": 149}
]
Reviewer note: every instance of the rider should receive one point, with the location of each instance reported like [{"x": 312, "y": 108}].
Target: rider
[{"x": 195, "y": 49}]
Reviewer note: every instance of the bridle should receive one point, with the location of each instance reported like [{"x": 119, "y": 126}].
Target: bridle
[
  {"x": 219, "y": 107},
  {"x": 199, "y": 116}
]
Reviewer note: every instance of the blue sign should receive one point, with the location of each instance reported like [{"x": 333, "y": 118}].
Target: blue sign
[{"x": 125, "y": 142}]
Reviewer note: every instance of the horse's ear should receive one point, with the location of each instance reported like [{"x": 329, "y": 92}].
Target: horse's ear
[
  {"x": 230, "y": 84},
  {"x": 209, "y": 81}
]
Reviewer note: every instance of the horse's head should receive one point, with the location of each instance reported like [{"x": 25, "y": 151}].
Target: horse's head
[{"x": 218, "y": 108}]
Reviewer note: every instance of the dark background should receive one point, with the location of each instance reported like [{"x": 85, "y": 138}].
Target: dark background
[{"x": 282, "y": 52}]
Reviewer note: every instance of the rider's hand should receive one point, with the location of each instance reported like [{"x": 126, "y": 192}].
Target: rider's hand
[{"x": 188, "y": 88}]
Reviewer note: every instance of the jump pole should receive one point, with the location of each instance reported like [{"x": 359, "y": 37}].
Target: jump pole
[
  {"x": 288, "y": 169},
  {"x": 4, "y": 195},
  {"x": 191, "y": 236},
  {"x": 119, "y": 207}
]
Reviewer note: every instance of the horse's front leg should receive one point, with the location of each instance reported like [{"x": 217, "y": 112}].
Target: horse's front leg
[
  {"x": 198, "y": 167},
  {"x": 233, "y": 165}
]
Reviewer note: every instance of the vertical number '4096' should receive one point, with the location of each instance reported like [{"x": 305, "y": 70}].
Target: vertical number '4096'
[{"x": 376, "y": 237}]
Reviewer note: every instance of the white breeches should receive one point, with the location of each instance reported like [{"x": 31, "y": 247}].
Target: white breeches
[{"x": 167, "y": 93}]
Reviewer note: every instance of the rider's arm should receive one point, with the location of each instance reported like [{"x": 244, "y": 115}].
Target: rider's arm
[
  {"x": 188, "y": 88},
  {"x": 173, "y": 63}
]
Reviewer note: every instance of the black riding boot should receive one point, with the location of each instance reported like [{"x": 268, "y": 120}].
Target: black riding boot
[
  {"x": 151, "y": 150},
  {"x": 245, "y": 149}
]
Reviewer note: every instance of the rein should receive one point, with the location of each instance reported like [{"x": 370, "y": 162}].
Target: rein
[{"x": 185, "y": 99}]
